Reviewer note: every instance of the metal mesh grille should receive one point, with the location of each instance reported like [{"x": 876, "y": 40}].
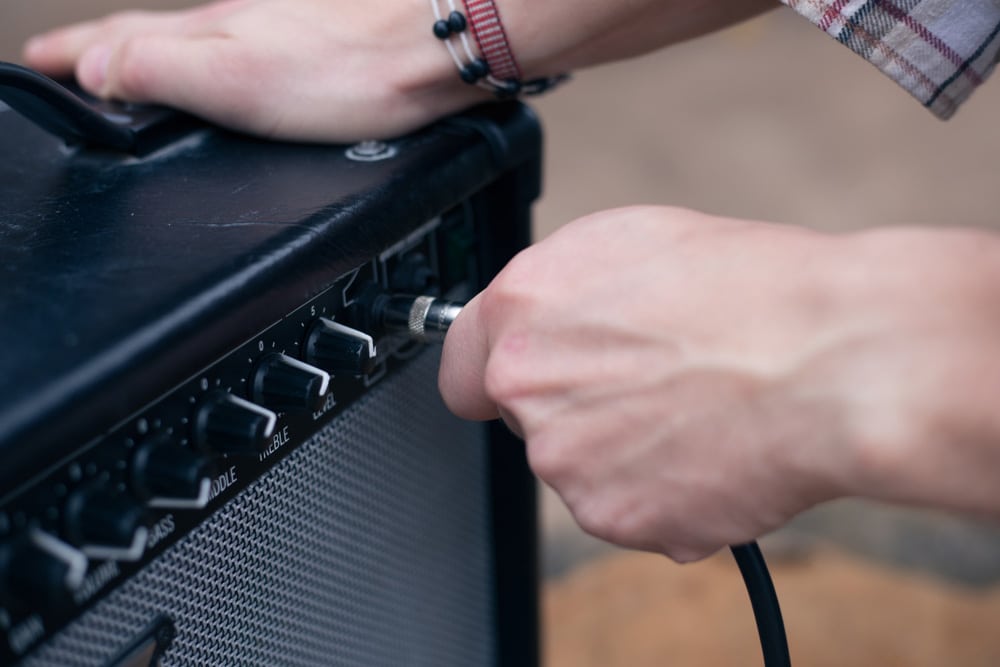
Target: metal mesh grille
[{"x": 369, "y": 545}]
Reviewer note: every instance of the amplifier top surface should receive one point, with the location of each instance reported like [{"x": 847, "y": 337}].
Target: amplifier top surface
[{"x": 126, "y": 272}]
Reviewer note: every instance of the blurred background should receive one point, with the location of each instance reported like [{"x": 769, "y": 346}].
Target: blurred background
[{"x": 772, "y": 120}]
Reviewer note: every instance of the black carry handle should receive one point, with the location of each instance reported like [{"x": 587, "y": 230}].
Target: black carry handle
[{"x": 69, "y": 113}]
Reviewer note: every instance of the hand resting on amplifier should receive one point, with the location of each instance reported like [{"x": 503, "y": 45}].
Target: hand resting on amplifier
[
  {"x": 343, "y": 70},
  {"x": 316, "y": 70},
  {"x": 686, "y": 382}
]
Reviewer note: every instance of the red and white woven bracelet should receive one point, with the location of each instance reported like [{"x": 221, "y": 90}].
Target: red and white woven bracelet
[
  {"x": 484, "y": 17},
  {"x": 497, "y": 70}
]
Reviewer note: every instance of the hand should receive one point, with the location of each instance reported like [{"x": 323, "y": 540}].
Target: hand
[
  {"x": 344, "y": 70},
  {"x": 320, "y": 70},
  {"x": 686, "y": 382}
]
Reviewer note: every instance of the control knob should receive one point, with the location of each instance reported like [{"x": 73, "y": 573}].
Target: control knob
[
  {"x": 282, "y": 383},
  {"x": 106, "y": 524},
  {"x": 337, "y": 348},
  {"x": 228, "y": 424},
  {"x": 165, "y": 474},
  {"x": 39, "y": 570}
]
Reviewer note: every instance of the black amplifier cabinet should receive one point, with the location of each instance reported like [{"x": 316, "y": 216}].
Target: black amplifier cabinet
[{"x": 209, "y": 454}]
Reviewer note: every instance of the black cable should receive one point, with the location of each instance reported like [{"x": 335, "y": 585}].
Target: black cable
[{"x": 763, "y": 599}]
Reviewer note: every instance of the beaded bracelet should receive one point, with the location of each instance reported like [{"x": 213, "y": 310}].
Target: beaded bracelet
[
  {"x": 492, "y": 38},
  {"x": 498, "y": 71}
]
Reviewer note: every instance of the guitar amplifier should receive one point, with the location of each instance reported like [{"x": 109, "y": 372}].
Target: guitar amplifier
[{"x": 212, "y": 454}]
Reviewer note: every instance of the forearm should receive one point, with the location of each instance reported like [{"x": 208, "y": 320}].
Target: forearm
[
  {"x": 918, "y": 366},
  {"x": 565, "y": 35}
]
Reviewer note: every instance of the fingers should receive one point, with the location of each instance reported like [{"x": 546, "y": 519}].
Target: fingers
[
  {"x": 463, "y": 365},
  {"x": 214, "y": 77},
  {"x": 56, "y": 53},
  {"x": 142, "y": 68}
]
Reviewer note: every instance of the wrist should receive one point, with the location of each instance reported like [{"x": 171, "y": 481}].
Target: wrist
[
  {"x": 423, "y": 73},
  {"x": 919, "y": 365},
  {"x": 476, "y": 41}
]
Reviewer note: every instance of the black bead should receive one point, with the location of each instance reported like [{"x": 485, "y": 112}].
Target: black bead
[
  {"x": 456, "y": 21},
  {"x": 468, "y": 75},
  {"x": 480, "y": 67},
  {"x": 441, "y": 29},
  {"x": 511, "y": 87}
]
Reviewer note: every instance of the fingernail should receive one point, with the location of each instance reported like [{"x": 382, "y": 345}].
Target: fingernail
[
  {"x": 93, "y": 67},
  {"x": 32, "y": 46}
]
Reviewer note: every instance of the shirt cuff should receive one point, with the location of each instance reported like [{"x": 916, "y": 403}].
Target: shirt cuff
[{"x": 938, "y": 50}]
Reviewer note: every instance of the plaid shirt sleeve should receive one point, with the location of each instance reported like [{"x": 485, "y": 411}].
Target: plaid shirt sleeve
[{"x": 938, "y": 50}]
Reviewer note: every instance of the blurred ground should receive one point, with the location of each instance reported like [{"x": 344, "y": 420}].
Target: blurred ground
[
  {"x": 639, "y": 610},
  {"x": 770, "y": 120}
]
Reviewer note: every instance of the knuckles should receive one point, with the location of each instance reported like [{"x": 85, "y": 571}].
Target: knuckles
[
  {"x": 131, "y": 78},
  {"x": 600, "y": 518},
  {"x": 550, "y": 462},
  {"x": 507, "y": 309},
  {"x": 503, "y": 379}
]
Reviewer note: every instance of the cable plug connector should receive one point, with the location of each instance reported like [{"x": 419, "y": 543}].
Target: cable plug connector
[{"x": 422, "y": 318}]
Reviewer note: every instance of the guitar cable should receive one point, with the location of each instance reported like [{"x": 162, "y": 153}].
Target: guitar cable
[
  {"x": 764, "y": 601},
  {"x": 427, "y": 318}
]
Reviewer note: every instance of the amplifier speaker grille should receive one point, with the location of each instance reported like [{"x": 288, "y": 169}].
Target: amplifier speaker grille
[{"x": 368, "y": 545}]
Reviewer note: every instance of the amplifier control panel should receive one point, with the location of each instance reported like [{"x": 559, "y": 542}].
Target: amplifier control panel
[{"x": 82, "y": 527}]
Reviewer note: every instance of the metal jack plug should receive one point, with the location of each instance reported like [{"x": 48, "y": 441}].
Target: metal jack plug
[{"x": 422, "y": 318}]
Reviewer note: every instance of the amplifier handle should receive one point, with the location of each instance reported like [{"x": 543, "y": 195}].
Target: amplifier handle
[{"x": 68, "y": 112}]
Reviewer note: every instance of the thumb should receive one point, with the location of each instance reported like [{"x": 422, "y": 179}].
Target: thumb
[{"x": 461, "y": 378}]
